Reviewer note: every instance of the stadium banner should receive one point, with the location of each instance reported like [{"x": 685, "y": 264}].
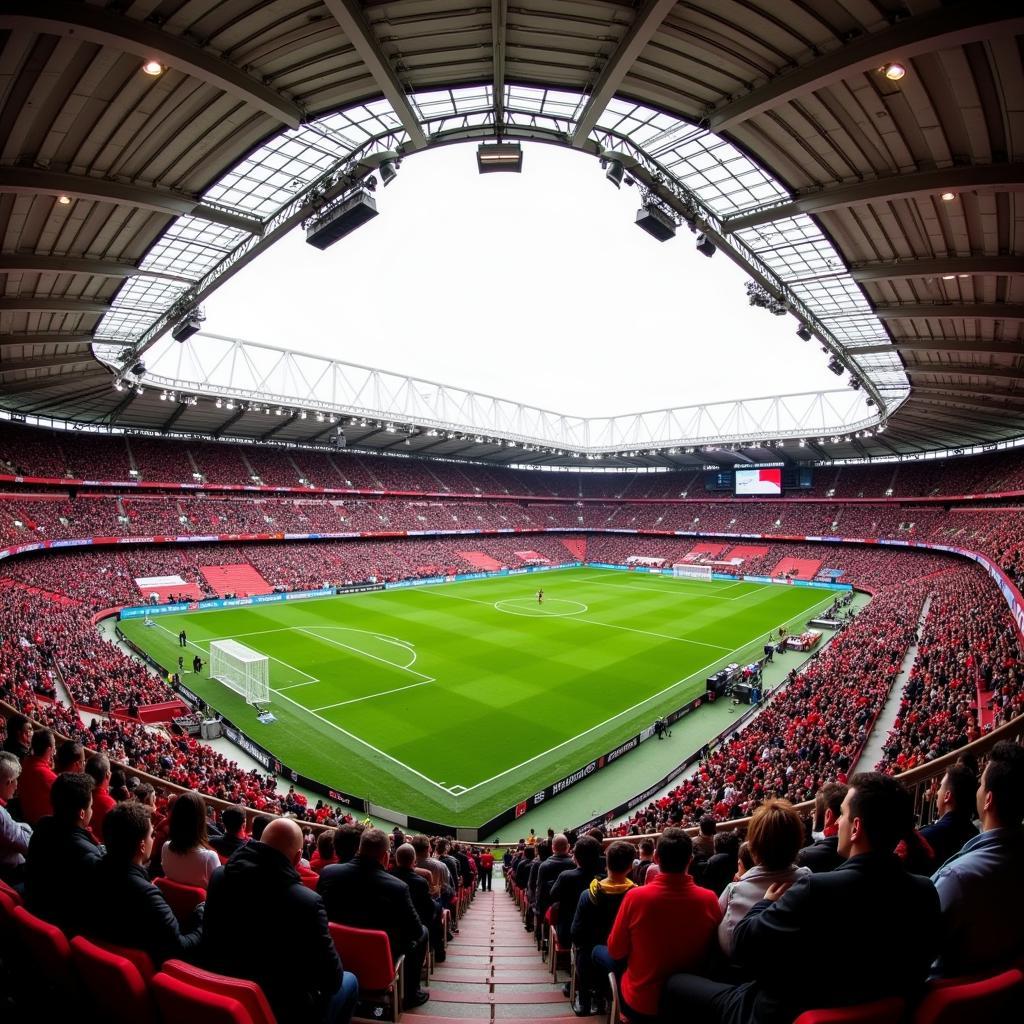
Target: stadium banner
[
  {"x": 459, "y": 577},
  {"x": 641, "y": 798},
  {"x": 568, "y": 781},
  {"x": 142, "y": 611},
  {"x": 358, "y": 588}
]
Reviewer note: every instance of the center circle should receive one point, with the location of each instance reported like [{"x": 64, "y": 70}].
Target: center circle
[{"x": 530, "y": 608}]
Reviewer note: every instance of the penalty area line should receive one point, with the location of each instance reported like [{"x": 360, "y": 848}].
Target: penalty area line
[
  {"x": 310, "y": 678},
  {"x": 654, "y": 696}
]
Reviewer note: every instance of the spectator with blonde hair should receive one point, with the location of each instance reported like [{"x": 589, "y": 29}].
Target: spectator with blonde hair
[{"x": 773, "y": 839}]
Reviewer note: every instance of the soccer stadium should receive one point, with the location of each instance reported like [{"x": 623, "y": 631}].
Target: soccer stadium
[{"x": 424, "y": 596}]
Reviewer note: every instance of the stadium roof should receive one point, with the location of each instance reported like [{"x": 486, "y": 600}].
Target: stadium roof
[{"x": 882, "y": 208}]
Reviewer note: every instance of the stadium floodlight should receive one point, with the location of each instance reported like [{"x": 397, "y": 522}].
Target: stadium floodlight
[
  {"x": 241, "y": 669},
  {"x": 388, "y": 171},
  {"x": 341, "y": 219},
  {"x": 499, "y": 156},
  {"x": 139, "y": 368},
  {"x": 803, "y": 332},
  {"x": 705, "y": 246},
  {"x": 836, "y": 366},
  {"x": 615, "y": 165}
]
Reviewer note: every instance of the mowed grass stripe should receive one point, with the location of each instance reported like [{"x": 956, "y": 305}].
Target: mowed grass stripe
[{"x": 500, "y": 690}]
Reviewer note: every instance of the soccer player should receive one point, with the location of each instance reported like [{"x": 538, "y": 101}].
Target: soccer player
[{"x": 540, "y": 597}]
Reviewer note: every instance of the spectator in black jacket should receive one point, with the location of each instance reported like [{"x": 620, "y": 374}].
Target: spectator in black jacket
[
  {"x": 570, "y": 884},
  {"x": 823, "y": 853},
  {"x": 956, "y": 803},
  {"x": 233, "y": 820},
  {"x": 125, "y": 907},
  {"x": 559, "y": 861},
  {"x": 19, "y": 736},
  {"x": 419, "y": 888},
  {"x": 265, "y": 925},
  {"x": 62, "y": 854},
  {"x": 361, "y": 894},
  {"x": 864, "y": 931},
  {"x": 718, "y": 872},
  {"x": 522, "y": 875},
  {"x": 595, "y": 915}
]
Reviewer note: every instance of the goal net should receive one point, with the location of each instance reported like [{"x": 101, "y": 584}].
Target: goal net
[
  {"x": 696, "y": 572},
  {"x": 242, "y": 669}
]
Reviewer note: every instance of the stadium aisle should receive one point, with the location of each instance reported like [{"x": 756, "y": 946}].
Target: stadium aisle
[{"x": 493, "y": 972}]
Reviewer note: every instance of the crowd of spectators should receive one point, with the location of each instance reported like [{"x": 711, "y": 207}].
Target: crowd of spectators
[
  {"x": 46, "y": 642},
  {"x": 969, "y": 652},
  {"x": 808, "y": 733},
  {"x": 93, "y": 456}
]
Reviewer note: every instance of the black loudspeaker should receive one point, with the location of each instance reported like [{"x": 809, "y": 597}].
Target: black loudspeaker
[
  {"x": 342, "y": 219},
  {"x": 656, "y": 223}
]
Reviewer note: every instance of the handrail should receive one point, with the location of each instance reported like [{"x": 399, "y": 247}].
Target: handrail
[
  {"x": 159, "y": 783},
  {"x": 917, "y": 780}
]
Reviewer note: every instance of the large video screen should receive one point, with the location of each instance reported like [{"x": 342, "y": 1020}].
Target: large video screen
[{"x": 759, "y": 481}]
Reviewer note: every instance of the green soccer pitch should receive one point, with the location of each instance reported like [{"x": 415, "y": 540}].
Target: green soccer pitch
[{"x": 455, "y": 701}]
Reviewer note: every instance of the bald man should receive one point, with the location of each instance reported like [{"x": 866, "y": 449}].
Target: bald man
[
  {"x": 559, "y": 861},
  {"x": 263, "y": 924}
]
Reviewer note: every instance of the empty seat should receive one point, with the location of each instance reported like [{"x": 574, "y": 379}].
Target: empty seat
[
  {"x": 179, "y": 1002},
  {"x": 248, "y": 993},
  {"x": 182, "y": 899},
  {"x": 47, "y": 948},
  {"x": 992, "y": 998},
  {"x": 367, "y": 954},
  {"x": 117, "y": 986},
  {"x": 881, "y": 1011}
]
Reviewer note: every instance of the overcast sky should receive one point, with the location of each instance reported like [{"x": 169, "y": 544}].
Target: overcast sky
[{"x": 536, "y": 287}]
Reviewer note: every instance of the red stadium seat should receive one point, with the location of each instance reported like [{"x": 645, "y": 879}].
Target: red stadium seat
[
  {"x": 994, "y": 999},
  {"x": 47, "y": 948},
  {"x": 182, "y": 899},
  {"x": 118, "y": 989},
  {"x": 139, "y": 957},
  {"x": 11, "y": 893},
  {"x": 367, "y": 954},
  {"x": 881, "y": 1011},
  {"x": 248, "y": 993},
  {"x": 555, "y": 948},
  {"x": 8, "y": 925},
  {"x": 178, "y": 1001}
]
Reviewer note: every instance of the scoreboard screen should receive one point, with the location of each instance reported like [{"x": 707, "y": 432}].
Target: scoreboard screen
[{"x": 759, "y": 481}]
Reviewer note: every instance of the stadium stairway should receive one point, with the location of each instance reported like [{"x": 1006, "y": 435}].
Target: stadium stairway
[
  {"x": 493, "y": 972},
  {"x": 241, "y": 579}
]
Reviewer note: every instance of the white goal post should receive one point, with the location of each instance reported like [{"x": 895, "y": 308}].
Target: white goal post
[
  {"x": 241, "y": 669},
  {"x": 696, "y": 572}
]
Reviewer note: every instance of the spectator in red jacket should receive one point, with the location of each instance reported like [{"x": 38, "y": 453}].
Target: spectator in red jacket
[
  {"x": 98, "y": 766},
  {"x": 667, "y": 922},
  {"x": 70, "y": 757},
  {"x": 37, "y": 777}
]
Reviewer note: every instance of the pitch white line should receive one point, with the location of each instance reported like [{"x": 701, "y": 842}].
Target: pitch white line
[
  {"x": 372, "y": 696},
  {"x": 333, "y": 725},
  {"x": 369, "y": 746},
  {"x": 366, "y": 654},
  {"x": 639, "y": 704},
  {"x": 312, "y": 679},
  {"x": 591, "y": 622},
  {"x": 661, "y": 593}
]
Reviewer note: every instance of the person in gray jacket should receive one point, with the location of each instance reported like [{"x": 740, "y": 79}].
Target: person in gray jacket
[{"x": 774, "y": 836}]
